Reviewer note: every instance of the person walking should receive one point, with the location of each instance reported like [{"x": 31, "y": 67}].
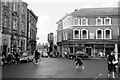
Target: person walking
[
  {"x": 78, "y": 62},
  {"x": 36, "y": 56},
  {"x": 111, "y": 66}
]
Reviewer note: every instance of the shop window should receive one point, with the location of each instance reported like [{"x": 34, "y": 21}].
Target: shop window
[{"x": 99, "y": 21}]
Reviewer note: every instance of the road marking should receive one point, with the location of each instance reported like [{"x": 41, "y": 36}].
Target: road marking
[{"x": 98, "y": 76}]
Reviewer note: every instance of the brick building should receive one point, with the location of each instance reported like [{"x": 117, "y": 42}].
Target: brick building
[
  {"x": 13, "y": 26},
  {"x": 119, "y": 27},
  {"x": 89, "y": 29},
  {"x": 31, "y": 30}
]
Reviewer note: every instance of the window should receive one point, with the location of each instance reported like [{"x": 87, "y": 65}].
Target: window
[
  {"x": 5, "y": 21},
  {"x": 76, "y": 21},
  {"x": 22, "y": 9},
  {"x": 107, "y": 21},
  {"x": 108, "y": 34},
  {"x": 99, "y": 21},
  {"x": 84, "y": 21},
  {"x": 99, "y": 34},
  {"x": 64, "y": 36},
  {"x": 14, "y": 5},
  {"x": 60, "y": 37},
  {"x": 14, "y": 24},
  {"x": 84, "y": 34},
  {"x": 76, "y": 34},
  {"x": 22, "y": 27},
  {"x": 5, "y": 2}
]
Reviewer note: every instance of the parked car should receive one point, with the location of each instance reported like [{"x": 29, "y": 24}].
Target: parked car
[
  {"x": 25, "y": 57},
  {"x": 44, "y": 54},
  {"x": 82, "y": 54}
]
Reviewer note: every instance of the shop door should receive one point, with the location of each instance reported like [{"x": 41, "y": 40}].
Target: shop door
[{"x": 88, "y": 51}]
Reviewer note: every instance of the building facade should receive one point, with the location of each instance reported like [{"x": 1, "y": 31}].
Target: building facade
[
  {"x": 92, "y": 30},
  {"x": 31, "y": 31},
  {"x": 119, "y": 27},
  {"x": 13, "y": 26},
  {"x": 6, "y": 25},
  {"x": 0, "y": 28},
  {"x": 51, "y": 42}
]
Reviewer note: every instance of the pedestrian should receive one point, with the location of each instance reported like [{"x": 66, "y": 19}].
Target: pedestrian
[
  {"x": 17, "y": 57},
  {"x": 78, "y": 62},
  {"x": 36, "y": 56},
  {"x": 111, "y": 66}
]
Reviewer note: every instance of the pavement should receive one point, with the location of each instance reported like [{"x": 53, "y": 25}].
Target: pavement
[{"x": 57, "y": 68}]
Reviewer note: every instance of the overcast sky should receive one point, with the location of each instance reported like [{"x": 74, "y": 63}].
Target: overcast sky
[{"x": 50, "y": 11}]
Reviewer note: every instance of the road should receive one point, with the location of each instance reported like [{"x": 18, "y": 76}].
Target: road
[{"x": 57, "y": 68}]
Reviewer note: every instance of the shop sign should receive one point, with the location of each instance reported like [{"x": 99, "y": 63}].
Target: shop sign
[{"x": 97, "y": 42}]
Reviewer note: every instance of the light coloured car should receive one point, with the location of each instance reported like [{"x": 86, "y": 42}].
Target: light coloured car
[
  {"x": 26, "y": 57},
  {"x": 44, "y": 54}
]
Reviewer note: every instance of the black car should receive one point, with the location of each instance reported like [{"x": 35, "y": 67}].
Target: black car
[{"x": 82, "y": 55}]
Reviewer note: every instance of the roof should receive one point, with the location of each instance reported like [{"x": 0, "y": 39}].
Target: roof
[{"x": 96, "y": 11}]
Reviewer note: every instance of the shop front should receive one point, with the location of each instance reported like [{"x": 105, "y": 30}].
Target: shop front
[{"x": 91, "y": 47}]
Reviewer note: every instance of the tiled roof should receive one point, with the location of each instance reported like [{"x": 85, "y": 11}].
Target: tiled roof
[{"x": 95, "y": 11}]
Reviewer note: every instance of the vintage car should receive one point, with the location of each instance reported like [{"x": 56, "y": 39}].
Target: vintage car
[
  {"x": 26, "y": 57},
  {"x": 82, "y": 54}
]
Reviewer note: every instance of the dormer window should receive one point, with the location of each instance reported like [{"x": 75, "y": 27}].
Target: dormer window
[
  {"x": 76, "y": 21},
  {"x": 108, "y": 34},
  {"x": 107, "y": 21},
  {"x": 84, "y": 21},
  {"x": 76, "y": 34},
  {"x": 99, "y": 21},
  {"x": 99, "y": 34},
  {"x": 84, "y": 34}
]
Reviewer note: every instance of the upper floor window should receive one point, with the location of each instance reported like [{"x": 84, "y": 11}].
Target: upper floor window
[
  {"x": 64, "y": 36},
  {"x": 14, "y": 24},
  {"x": 107, "y": 21},
  {"x": 84, "y": 34},
  {"x": 76, "y": 21},
  {"x": 22, "y": 26},
  {"x": 5, "y": 21},
  {"x": 14, "y": 6},
  {"x": 99, "y": 21},
  {"x": 6, "y": 2},
  {"x": 84, "y": 21},
  {"x": 76, "y": 34},
  {"x": 60, "y": 37},
  {"x": 108, "y": 34},
  {"x": 99, "y": 34}
]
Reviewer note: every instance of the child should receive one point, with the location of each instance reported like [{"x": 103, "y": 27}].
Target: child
[{"x": 79, "y": 62}]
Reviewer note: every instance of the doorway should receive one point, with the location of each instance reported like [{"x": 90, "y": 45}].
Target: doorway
[
  {"x": 88, "y": 51},
  {"x": 5, "y": 50}
]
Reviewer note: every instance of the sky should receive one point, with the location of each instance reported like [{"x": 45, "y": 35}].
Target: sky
[{"x": 50, "y": 11}]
